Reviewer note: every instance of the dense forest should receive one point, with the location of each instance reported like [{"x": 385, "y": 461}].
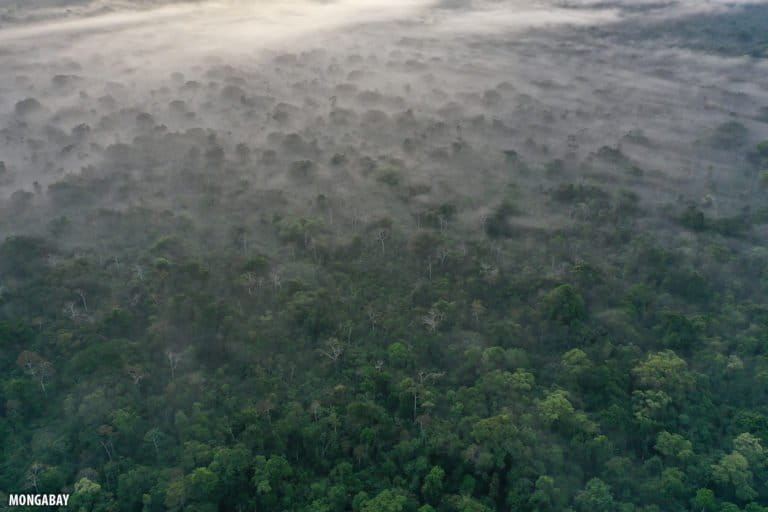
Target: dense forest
[{"x": 435, "y": 271}]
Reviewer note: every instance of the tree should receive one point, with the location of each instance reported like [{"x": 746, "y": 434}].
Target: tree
[
  {"x": 133, "y": 485},
  {"x": 467, "y": 504},
  {"x": 664, "y": 371},
  {"x": 595, "y": 497},
  {"x": 729, "y": 135},
  {"x": 477, "y": 310},
  {"x": 564, "y": 305},
  {"x": 88, "y": 496},
  {"x": 672, "y": 484},
  {"x": 154, "y": 436},
  {"x": 33, "y": 474},
  {"x": 201, "y": 485},
  {"x": 432, "y": 487},
  {"x": 232, "y": 467},
  {"x": 650, "y": 406},
  {"x": 173, "y": 359},
  {"x": 272, "y": 480},
  {"x": 40, "y": 369},
  {"x": 399, "y": 354},
  {"x": 386, "y": 501},
  {"x": 704, "y": 501},
  {"x": 498, "y": 225},
  {"x": 751, "y": 448},
  {"x": 674, "y": 446},
  {"x": 733, "y": 472},
  {"x": 576, "y": 364},
  {"x": 23, "y": 256},
  {"x": 334, "y": 349},
  {"x": 27, "y": 107},
  {"x": 555, "y": 407},
  {"x": 546, "y": 497},
  {"x": 498, "y": 440}
]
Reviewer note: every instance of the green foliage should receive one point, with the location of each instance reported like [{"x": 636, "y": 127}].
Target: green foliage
[
  {"x": 733, "y": 473},
  {"x": 288, "y": 362},
  {"x": 564, "y": 305},
  {"x": 555, "y": 407},
  {"x": 595, "y": 497},
  {"x": 385, "y": 501},
  {"x": 88, "y": 496},
  {"x": 674, "y": 446},
  {"x": 432, "y": 489},
  {"x": 664, "y": 371},
  {"x": 705, "y": 500}
]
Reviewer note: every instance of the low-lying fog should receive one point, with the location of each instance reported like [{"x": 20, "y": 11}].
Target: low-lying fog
[{"x": 444, "y": 99}]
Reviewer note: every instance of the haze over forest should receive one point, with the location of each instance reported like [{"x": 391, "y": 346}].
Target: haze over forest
[{"x": 385, "y": 256}]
